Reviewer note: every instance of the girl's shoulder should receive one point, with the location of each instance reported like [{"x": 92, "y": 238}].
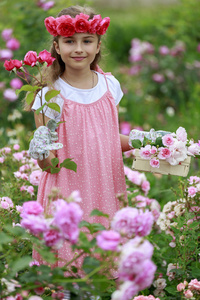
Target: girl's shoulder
[{"x": 112, "y": 80}]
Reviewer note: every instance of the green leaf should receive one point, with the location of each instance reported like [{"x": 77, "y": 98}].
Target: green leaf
[
  {"x": 30, "y": 97},
  {"x": 99, "y": 213},
  {"x": 158, "y": 142},
  {"x": 89, "y": 264},
  {"x": 51, "y": 94},
  {"x": 55, "y": 161},
  {"x": 84, "y": 224},
  {"x": 25, "y": 88},
  {"x": 171, "y": 289},
  {"x": 5, "y": 238},
  {"x": 97, "y": 227},
  {"x": 55, "y": 170},
  {"x": 54, "y": 106},
  {"x": 69, "y": 164},
  {"x": 21, "y": 264},
  {"x": 40, "y": 108},
  {"x": 136, "y": 144}
]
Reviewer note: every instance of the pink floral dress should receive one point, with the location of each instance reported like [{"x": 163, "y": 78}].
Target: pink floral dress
[{"x": 90, "y": 136}]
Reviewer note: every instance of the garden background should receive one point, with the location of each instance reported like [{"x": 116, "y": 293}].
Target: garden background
[{"x": 154, "y": 51}]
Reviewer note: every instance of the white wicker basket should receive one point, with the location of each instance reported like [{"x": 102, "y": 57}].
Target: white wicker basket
[{"x": 141, "y": 164}]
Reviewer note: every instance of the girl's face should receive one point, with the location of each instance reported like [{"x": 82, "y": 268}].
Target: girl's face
[{"x": 78, "y": 51}]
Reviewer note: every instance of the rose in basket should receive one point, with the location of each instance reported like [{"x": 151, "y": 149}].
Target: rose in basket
[{"x": 162, "y": 145}]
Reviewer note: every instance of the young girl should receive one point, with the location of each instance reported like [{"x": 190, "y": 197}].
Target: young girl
[{"x": 89, "y": 130}]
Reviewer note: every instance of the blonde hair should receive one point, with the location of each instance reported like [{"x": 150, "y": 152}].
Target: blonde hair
[{"x": 52, "y": 73}]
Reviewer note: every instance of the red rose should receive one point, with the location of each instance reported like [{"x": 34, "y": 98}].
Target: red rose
[
  {"x": 94, "y": 24},
  {"x": 13, "y": 63},
  {"x": 30, "y": 58},
  {"x": 51, "y": 25},
  {"x": 81, "y": 23},
  {"x": 65, "y": 26},
  {"x": 103, "y": 26},
  {"x": 45, "y": 56}
]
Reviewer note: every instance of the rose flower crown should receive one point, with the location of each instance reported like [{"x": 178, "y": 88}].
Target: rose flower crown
[{"x": 66, "y": 26}]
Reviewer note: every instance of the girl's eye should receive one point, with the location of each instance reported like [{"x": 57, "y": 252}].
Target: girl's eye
[
  {"x": 69, "y": 41},
  {"x": 87, "y": 41}
]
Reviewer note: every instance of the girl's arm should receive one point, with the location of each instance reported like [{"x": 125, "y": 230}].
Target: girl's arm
[
  {"x": 124, "y": 140},
  {"x": 52, "y": 154}
]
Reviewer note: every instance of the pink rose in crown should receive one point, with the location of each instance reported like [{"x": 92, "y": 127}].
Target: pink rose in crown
[
  {"x": 30, "y": 58},
  {"x": 45, "y": 56},
  {"x": 65, "y": 26},
  {"x": 94, "y": 24},
  {"x": 51, "y": 25},
  {"x": 104, "y": 24},
  {"x": 81, "y": 23},
  {"x": 12, "y": 63}
]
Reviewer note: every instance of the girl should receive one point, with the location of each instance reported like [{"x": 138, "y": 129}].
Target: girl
[{"x": 89, "y": 130}]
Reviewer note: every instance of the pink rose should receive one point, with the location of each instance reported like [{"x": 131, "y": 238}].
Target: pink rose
[
  {"x": 81, "y": 23},
  {"x": 188, "y": 294},
  {"x": 180, "y": 287},
  {"x": 194, "y": 149},
  {"x": 51, "y": 25},
  {"x": 10, "y": 95},
  {"x": 30, "y": 58},
  {"x": 2, "y": 159},
  {"x": 194, "y": 179},
  {"x": 34, "y": 263},
  {"x": 18, "y": 156},
  {"x": 7, "y": 34},
  {"x": 145, "y": 186},
  {"x": 35, "y": 223},
  {"x": 164, "y": 153},
  {"x": 168, "y": 140},
  {"x": 67, "y": 217},
  {"x": 145, "y": 152},
  {"x": 47, "y": 5},
  {"x": 13, "y": 44},
  {"x": 133, "y": 254},
  {"x": 192, "y": 191},
  {"x": 65, "y": 26},
  {"x": 16, "y": 147},
  {"x": 34, "y": 298},
  {"x": 181, "y": 134},
  {"x": 194, "y": 284},
  {"x": 53, "y": 238},
  {"x": 125, "y": 128},
  {"x": 164, "y": 50},
  {"x": 155, "y": 163},
  {"x": 150, "y": 297},
  {"x": 6, "y": 202},
  {"x": 108, "y": 240},
  {"x": 30, "y": 190},
  {"x": 19, "y": 208},
  {"x": 146, "y": 275},
  {"x": 13, "y": 63},
  {"x": 94, "y": 24},
  {"x": 45, "y": 56},
  {"x": 35, "y": 177},
  {"x": 126, "y": 291},
  {"x": 6, "y": 150},
  {"x": 32, "y": 208},
  {"x": 104, "y": 24},
  {"x": 16, "y": 83},
  {"x": 131, "y": 221},
  {"x": 5, "y": 54},
  {"x": 159, "y": 78}
]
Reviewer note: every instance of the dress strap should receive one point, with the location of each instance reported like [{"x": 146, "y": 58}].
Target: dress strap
[{"x": 99, "y": 70}]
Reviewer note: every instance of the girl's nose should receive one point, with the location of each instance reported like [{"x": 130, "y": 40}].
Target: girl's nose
[{"x": 78, "y": 48}]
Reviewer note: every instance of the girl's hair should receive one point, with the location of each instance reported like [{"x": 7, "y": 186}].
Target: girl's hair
[{"x": 51, "y": 74}]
